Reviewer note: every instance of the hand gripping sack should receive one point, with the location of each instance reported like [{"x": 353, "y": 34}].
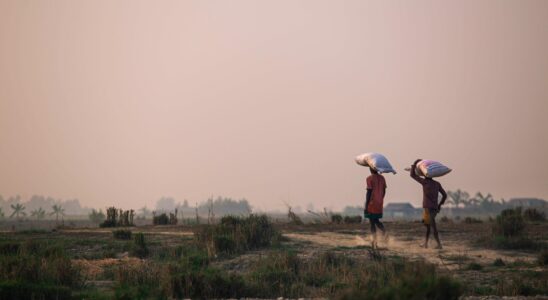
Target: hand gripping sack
[
  {"x": 431, "y": 168},
  {"x": 376, "y": 161}
]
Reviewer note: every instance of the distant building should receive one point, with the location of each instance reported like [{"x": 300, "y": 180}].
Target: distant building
[
  {"x": 527, "y": 202},
  {"x": 400, "y": 210}
]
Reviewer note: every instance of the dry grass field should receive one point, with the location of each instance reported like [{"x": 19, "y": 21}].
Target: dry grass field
[{"x": 255, "y": 258}]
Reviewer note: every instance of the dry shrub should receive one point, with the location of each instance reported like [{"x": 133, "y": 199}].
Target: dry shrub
[
  {"x": 509, "y": 223},
  {"x": 237, "y": 234},
  {"x": 122, "y": 234},
  {"x": 534, "y": 215},
  {"x": 37, "y": 270}
]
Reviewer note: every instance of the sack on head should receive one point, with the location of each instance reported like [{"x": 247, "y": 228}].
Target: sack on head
[
  {"x": 376, "y": 161},
  {"x": 431, "y": 168}
]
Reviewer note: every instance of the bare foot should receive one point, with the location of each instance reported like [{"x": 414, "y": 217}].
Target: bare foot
[{"x": 425, "y": 246}]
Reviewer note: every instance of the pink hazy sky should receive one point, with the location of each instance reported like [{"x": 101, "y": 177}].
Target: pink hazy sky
[{"x": 122, "y": 102}]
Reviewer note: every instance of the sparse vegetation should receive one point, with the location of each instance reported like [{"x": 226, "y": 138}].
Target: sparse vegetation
[
  {"x": 237, "y": 234},
  {"x": 140, "y": 248},
  {"x": 118, "y": 218},
  {"x": 122, "y": 234},
  {"x": 161, "y": 219},
  {"x": 36, "y": 270},
  {"x": 241, "y": 257},
  {"x": 336, "y": 219},
  {"x": 164, "y": 219},
  {"x": 471, "y": 220},
  {"x": 498, "y": 262},
  {"x": 543, "y": 258},
  {"x": 508, "y": 232},
  {"x": 352, "y": 219},
  {"x": 509, "y": 223},
  {"x": 474, "y": 266},
  {"x": 534, "y": 215}
]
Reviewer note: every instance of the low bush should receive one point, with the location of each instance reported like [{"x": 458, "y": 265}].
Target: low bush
[
  {"x": 118, "y": 218},
  {"x": 352, "y": 219},
  {"x": 25, "y": 290},
  {"x": 139, "y": 248},
  {"x": 283, "y": 273},
  {"x": 543, "y": 258},
  {"x": 237, "y": 234},
  {"x": 471, "y": 220},
  {"x": 161, "y": 219},
  {"x": 498, "y": 262},
  {"x": 516, "y": 243},
  {"x": 534, "y": 215},
  {"x": 474, "y": 266},
  {"x": 336, "y": 219},
  {"x": 509, "y": 223},
  {"x": 334, "y": 275},
  {"x": 36, "y": 270},
  {"x": 122, "y": 234}
]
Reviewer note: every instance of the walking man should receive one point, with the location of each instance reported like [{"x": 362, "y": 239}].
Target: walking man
[
  {"x": 376, "y": 189},
  {"x": 430, "y": 191}
]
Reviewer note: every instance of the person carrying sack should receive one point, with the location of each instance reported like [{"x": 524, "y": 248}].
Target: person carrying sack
[
  {"x": 376, "y": 189},
  {"x": 430, "y": 190}
]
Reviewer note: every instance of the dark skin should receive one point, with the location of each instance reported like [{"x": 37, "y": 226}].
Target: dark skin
[
  {"x": 374, "y": 222},
  {"x": 432, "y": 224}
]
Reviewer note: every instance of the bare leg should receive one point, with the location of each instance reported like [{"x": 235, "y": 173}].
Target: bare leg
[
  {"x": 433, "y": 222},
  {"x": 427, "y": 236},
  {"x": 373, "y": 231},
  {"x": 380, "y": 225}
]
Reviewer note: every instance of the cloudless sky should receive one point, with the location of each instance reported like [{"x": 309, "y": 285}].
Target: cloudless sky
[{"x": 122, "y": 102}]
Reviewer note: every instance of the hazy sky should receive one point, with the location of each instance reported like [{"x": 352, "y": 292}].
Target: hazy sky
[{"x": 122, "y": 102}]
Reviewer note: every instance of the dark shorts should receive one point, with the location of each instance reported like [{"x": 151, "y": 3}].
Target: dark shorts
[{"x": 372, "y": 216}]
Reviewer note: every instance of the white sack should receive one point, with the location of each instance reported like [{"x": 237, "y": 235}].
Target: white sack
[
  {"x": 376, "y": 161},
  {"x": 431, "y": 168}
]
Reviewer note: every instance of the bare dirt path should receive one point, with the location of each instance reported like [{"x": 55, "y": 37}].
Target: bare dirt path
[{"x": 454, "y": 250}]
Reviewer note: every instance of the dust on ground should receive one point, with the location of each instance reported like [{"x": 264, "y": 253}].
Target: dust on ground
[{"x": 459, "y": 243}]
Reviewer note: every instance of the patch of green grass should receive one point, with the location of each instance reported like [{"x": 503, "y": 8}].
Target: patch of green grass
[
  {"x": 36, "y": 270},
  {"x": 122, "y": 234},
  {"x": 517, "y": 243},
  {"x": 474, "y": 266},
  {"x": 237, "y": 234},
  {"x": 499, "y": 262},
  {"x": 543, "y": 258},
  {"x": 139, "y": 247}
]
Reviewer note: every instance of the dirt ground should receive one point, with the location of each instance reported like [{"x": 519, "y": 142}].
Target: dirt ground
[
  {"x": 96, "y": 252},
  {"x": 404, "y": 239}
]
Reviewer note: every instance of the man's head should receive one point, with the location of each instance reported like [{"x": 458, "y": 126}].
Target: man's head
[{"x": 373, "y": 171}]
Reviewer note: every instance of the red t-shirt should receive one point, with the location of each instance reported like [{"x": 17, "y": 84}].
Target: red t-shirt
[{"x": 377, "y": 185}]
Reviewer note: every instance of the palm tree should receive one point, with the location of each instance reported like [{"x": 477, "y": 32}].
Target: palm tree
[
  {"x": 486, "y": 202},
  {"x": 18, "y": 210},
  {"x": 38, "y": 213},
  {"x": 458, "y": 197},
  {"x": 57, "y": 210},
  {"x": 484, "y": 199}
]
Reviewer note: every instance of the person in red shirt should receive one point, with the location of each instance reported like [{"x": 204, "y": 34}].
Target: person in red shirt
[
  {"x": 376, "y": 189},
  {"x": 430, "y": 190}
]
